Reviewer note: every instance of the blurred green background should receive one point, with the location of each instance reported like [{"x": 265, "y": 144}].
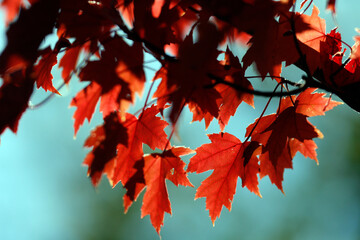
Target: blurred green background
[{"x": 45, "y": 193}]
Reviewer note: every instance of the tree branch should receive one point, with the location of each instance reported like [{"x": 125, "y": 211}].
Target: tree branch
[{"x": 301, "y": 87}]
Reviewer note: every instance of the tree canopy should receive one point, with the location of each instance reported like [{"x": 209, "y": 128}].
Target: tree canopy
[{"x": 110, "y": 44}]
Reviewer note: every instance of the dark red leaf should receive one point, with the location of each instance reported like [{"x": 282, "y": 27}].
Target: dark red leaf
[{"x": 104, "y": 141}]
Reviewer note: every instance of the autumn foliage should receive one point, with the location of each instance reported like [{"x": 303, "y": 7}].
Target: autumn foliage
[{"x": 110, "y": 44}]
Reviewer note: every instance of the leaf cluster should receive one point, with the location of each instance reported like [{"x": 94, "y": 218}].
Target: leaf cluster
[{"x": 105, "y": 43}]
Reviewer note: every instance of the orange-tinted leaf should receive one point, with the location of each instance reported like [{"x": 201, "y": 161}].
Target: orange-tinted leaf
[
  {"x": 159, "y": 167},
  {"x": 313, "y": 104},
  {"x": 317, "y": 31},
  {"x": 307, "y": 148},
  {"x": 110, "y": 101},
  {"x": 310, "y": 33},
  {"x": 225, "y": 155}
]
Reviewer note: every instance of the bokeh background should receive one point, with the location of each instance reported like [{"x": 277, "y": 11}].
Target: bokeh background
[{"x": 45, "y": 193}]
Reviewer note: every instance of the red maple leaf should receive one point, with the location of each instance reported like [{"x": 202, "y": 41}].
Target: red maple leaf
[
  {"x": 310, "y": 34},
  {"x": 148, "y": 129},
  {"x": 194, "y": 76},
  {"x": 104, "y": 140},
  {"x": 287, "y": 132},
  {"x": 288, "y": 124},
  {"x": 43, "y": 68},
  {"x": 232, "y": 98},
  {"x": 264, "y": 42},
  {"x": 312, "y": 104},
  {"x": 230, "y": 159},
  {"x": 186, "y": 78},
  {"x": 114, "y": 77},
  {"x": 68, "y": 61},
  {"x": 306, "y": 148},
  {"x": 135, "y": 185},
  {"x": 158, "y": 167},
  {"x": 85, "y": 101}
]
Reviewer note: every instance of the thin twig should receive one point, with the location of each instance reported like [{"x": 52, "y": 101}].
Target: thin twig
[{"x": 218, "y": 80}]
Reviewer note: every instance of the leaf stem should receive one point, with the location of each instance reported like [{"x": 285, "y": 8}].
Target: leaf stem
[{"x": 262, "y": 114}]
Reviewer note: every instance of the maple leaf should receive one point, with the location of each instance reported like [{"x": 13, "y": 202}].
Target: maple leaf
[
  {"x": 226, "y": 156},
  {"x": 85, "y": 101},
  {"x": 276, "y": 172},
  {"x": 42, "y": 70},
  {"x": 110, "y": 101},
  {"x": 232, "y": 98},
  {"x": 313, "y": 104},
  {"x": 114, "y": 77},
  {"x": 104, "y": 140},
  {"x": 68, "y": 61},
  {"x": 135, "y": 185},
  {"x": 332, "y": 44},
  {"x": 186, "y": 79},
  {"x": 194, "y": 32},
  {"x": 310, "y": 34},
  {"x": 148, "y": 129},
  {"x": 159, "y": 167},
  {"x": 287, "y": 132},
  {"x": 288, "y": 124},
  {"x": 307, "y": 148},
  {"x": 103, "y": 73},
  {"x": 265, "y": 27}
]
